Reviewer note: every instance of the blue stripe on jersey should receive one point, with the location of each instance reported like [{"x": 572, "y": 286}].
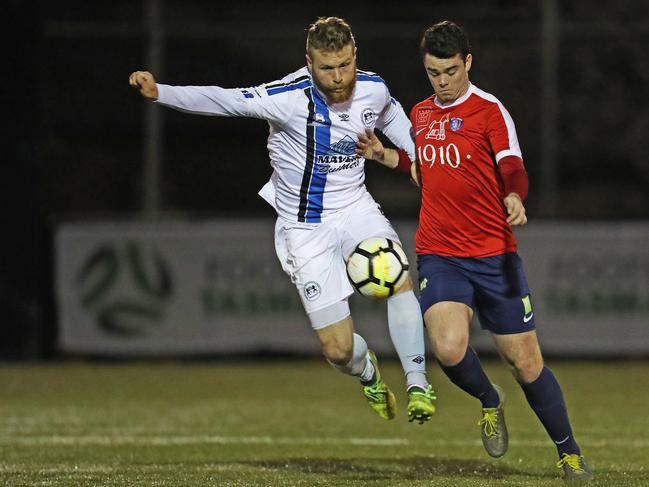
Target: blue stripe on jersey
[
  {"x": 296, "y": 80},
  {"x": 289, "y": 87},
  {"x": 322, "y": 145},
  {"x": 317, "y": 143},
  {"x": 369, "y": 77}
]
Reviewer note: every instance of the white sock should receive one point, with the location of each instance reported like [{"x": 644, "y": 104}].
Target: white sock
[
  {"x": 360, "y": 365},
  {"x": 368, "y": 372},
  {"x": 407, "y": 333},
  {"x": 416, "y": 379}
]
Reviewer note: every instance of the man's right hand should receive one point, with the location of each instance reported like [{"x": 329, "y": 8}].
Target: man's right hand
[{"x": 145, "y": 83}]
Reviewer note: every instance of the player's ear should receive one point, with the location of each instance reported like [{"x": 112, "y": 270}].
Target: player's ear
[
  {"x": 468, "y": 61},
  {"x": 309, "y": 61}
]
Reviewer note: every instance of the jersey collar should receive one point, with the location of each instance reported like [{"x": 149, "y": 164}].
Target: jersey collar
[{"x": 470, "y": 90}]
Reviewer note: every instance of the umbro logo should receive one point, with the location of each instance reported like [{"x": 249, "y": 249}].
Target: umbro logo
[
  {"x": 344, "y": 117},
  {"x": 418, "y": 359}
]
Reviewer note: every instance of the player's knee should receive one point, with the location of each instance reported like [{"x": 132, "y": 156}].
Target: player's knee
[
  {"x": 527, "y": 370},
  {"x": 449, "y": 345},
  {"x": 449, "y": 352},
  {"x": 337, "y": 353},
  {"x": 407, "y": 286}
]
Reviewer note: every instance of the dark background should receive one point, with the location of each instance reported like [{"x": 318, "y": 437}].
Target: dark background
[{"x": 74, "y": 129}]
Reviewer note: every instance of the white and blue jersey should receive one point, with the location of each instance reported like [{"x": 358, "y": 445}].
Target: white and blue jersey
[{"x": 311, "y": 144}]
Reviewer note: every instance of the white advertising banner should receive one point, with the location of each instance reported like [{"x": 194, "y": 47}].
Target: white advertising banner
[{"x": 174, "y": 288}]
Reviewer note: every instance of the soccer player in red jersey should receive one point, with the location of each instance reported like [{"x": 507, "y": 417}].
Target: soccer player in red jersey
[{"x": 473, "y": 185}]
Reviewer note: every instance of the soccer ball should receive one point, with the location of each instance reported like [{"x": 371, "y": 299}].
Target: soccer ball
[{"x": 378, "y": 267}]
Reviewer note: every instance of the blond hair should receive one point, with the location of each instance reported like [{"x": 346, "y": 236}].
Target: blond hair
[{"x": 329, "y": 34}]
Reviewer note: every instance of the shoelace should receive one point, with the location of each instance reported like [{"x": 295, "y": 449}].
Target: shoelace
[
  {"x": 428, "y": 394},
  {"x": 489, "y": 423},
  {"x": 572, "y": 460},
  {"x": 375, "y": 392}
]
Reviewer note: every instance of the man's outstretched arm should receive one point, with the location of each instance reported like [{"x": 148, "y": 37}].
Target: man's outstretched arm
[{"x": 214, "y": 100}]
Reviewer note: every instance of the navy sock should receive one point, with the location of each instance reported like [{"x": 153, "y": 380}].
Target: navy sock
[
  {"x": 469, "y": 376},
  {"x": 546, "y": 399}
]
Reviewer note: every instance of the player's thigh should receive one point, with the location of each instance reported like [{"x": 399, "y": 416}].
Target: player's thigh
[
  {"x": 443, "y": 279},
  {"x": 365, "y": 220},
  {"x": 446, "y": 299},
  {"x": 313, "y": 259},
  {"x": 503, "y": 298},
  {"x": 447, "y": 326}
]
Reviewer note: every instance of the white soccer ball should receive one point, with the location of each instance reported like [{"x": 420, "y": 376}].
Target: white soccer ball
[{"x": 378, "y": 267}]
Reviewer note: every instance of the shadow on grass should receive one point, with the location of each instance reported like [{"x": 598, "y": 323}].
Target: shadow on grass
[{"x": 414, "y": 468}]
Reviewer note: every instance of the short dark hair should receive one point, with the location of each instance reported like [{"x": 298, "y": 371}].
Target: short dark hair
[
  {"x": 444, "y": 40},
  {"x": 329, "y": 34}
]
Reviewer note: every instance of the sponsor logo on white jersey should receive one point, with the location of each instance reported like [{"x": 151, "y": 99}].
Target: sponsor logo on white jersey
[
  {"x": 341, "y": 155},
  {"x": 346, "y": 146},
  {"x": 318, "y": 119}
]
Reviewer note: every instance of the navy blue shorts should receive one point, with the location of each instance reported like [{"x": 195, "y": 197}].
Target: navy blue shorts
[{"x": 495, "y": 287}]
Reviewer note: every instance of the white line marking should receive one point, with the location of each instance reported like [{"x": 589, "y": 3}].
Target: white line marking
[{"x": 108, "y": 440}]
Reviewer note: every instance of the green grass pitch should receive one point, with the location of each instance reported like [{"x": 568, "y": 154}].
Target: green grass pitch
[{"x": 298, "y": 423}]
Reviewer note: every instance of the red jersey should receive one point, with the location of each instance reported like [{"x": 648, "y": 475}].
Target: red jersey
[{"x": 459, "y": 146}]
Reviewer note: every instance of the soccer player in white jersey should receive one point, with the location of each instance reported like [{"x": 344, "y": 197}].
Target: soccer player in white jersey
[{"x": 317, "y": 188}]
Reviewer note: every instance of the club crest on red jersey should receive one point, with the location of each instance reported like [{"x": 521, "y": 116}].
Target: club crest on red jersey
[
  {"x": 456, "y": 124},
  {"x": 438, "y": 129}
]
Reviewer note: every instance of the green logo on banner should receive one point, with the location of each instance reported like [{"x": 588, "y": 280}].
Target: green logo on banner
[{"x": 125, "y": 287}]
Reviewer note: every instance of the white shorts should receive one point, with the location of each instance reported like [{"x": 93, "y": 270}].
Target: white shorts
[{"x": 315, "y": 255}]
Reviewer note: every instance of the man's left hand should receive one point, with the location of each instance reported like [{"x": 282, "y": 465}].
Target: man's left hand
[
  {"x": 370, "y": 147},
  {"x": 515, "y": 209}
]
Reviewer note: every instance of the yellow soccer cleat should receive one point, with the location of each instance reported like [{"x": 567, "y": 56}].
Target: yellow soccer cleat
[
  {"x": 493, "y": 428},
  {"x": 421, "y": 404},
  {"x": 574, "y": 467},
  {"x": 378, "y": 395}
]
